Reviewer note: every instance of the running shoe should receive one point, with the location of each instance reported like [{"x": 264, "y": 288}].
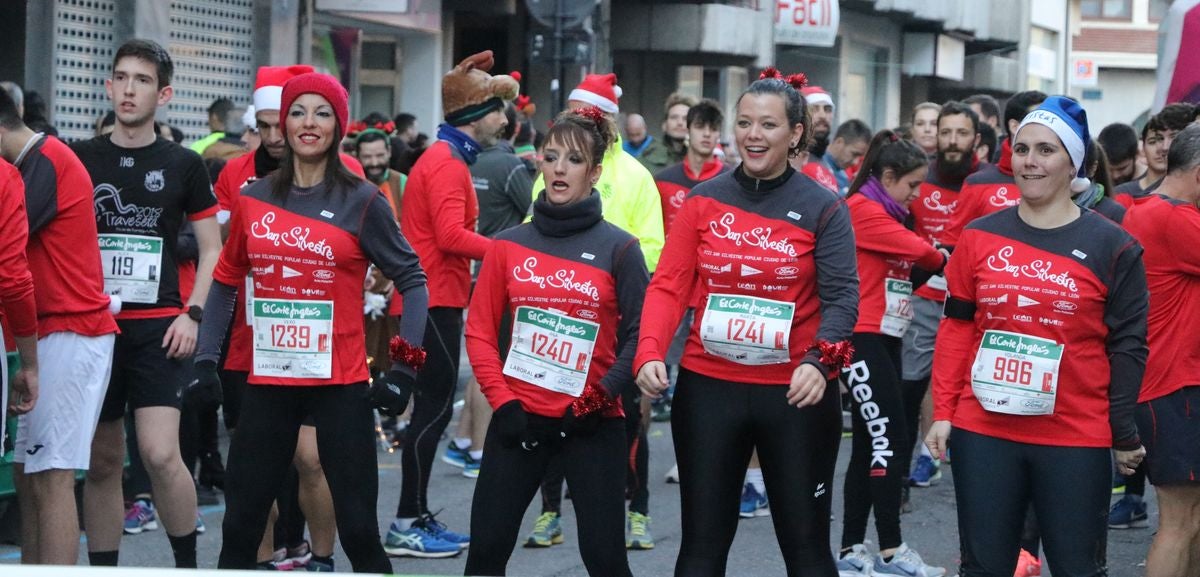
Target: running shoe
[
  {"x": 471, "y": 467},
  {"x": 547, "y": 531},
  {"x": 673, "y": 474},
  {"x": 456, "y": 456},
  {"x": 907, "y": 563},
  {"x": 200, "y": 528},
  {"x": 637, "y": 532},
  {"x": 1128, "y": 513},
  {"x": 1028, "y": 565},
  {"x": 754, "y": 504},
  {"x": 300, "y": 555},
  {"x": 439, "y": 530},
  {"x": 140, "y": 517},
  {"x": 315, "y": 566},
  {"x": 927, "y": 472},
  {"x": 417, "y": 541},
  {"x": 857, "y": 562}
]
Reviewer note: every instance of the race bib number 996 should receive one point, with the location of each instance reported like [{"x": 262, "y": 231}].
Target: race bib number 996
[{"x": 1016, "y": 374}]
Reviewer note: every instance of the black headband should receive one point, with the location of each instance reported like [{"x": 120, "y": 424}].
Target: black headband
[{"x": 474, "y": 112}]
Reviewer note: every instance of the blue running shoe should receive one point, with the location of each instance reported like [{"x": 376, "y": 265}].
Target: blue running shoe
[
  {"x": 1128, "y": 513},
  {"x": 439, "y": 530},
  {"x": 754, "y": 504},
  {"x": 455, "y": 456},
  {"x": 927, "y": 472},
  {"x": 417, "y": 541},
  {"x": 140, "y": 517},
  {"x": 471, "y": 467},
  {"x": 906, "y": 563},
  {"x": 857, "y": 562}
]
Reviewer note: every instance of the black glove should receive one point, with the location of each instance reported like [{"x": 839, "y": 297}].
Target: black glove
[
  {"x": 390, "y": 394},
  {"x": 512, "y": 425},
  {"x": 205, "y": 389},
  {"x": 574, "y": 426}
]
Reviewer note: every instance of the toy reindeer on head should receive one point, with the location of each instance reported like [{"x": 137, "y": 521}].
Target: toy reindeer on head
[{"x": 470, "y": 93}]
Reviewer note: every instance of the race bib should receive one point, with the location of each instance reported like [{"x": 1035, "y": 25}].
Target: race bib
[
  {"x": 747, "y": 330},
  {"x": 551, "y": 350},
  {"x": 1016, "y": 374},
  {"x": 898, "y": 312},
  {"x": 293, "y": 339},
  {"x": 132, "y": 266}
]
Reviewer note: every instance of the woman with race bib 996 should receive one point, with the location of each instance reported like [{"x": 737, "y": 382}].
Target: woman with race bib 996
[
  {"x": 890, "y": 179},
  {"x": 570, "y": 285},
  {"x": 1039, "y": 360},
  {"x": 306, "y": 234},
  {"x": 771, "y": 253}
]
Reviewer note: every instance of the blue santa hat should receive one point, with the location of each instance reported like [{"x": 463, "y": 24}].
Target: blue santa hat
[{"x": 1069, "y": 121}]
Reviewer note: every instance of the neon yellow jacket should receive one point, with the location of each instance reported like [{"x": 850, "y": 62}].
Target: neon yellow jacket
[
  {"x": 200, "y": 145},
  {"x": 630, "y": 199}
]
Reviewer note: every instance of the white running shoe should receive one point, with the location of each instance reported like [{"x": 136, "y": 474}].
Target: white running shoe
[
  {"x": 857, "y": 563},
  {"x": 907, "y": 563}
]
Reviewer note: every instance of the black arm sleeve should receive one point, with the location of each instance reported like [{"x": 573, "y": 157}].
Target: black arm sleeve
[
  {"x": 41, "y": 191},
  {"x": 631, "y": 278},
  {"x": 837, "y": 279},
  {"x": 218, "y": 312},
  {"x": 1125, "y": 314}
]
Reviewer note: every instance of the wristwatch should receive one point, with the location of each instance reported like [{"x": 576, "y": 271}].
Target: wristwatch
[{"x": 195, "y": 312}]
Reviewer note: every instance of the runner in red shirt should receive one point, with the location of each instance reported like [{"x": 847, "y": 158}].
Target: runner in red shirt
[
  {"x": 771, "y": 254},
  {"x": 932, "y": 211},
  {"x": 19, "y": 313},
  {"x": 306, "y": 235},
  {"x": 1168, "y": 226},
  {"x": 1157, "y": 135},
  {"x": 76, "y": 332},
  {"x": 890, "y": 179},
  {"x": 1039, "y": 360},
  {"x": 573, "y": 286}
]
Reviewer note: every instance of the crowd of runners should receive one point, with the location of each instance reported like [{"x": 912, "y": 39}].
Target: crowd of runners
[{"x": 990, "y": 285}]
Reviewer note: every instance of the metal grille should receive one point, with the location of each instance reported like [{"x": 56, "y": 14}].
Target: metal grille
[
  {"x": 212, "y": 44},
  {"x": 83, "y": 52}
]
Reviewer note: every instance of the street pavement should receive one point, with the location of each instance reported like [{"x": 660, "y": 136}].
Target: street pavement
[{"x": 930, "y": 529}]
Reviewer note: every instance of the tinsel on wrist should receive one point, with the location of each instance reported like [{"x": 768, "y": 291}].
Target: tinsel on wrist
[
  {"x": 836, "y": 356},
  {"x": 403, "y": 352},
  {"x": 593, "y": 399}
]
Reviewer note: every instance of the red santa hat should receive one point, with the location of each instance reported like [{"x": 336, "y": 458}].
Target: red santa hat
[
  {"x": 816, "y": 95},
  {"x": 599, "y": 90},
  {"x": 268, "y": 85}
]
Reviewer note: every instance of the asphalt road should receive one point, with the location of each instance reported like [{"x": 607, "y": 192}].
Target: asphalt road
[{"x": 930, "y": 529}]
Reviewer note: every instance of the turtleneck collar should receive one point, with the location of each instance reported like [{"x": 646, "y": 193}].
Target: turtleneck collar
[
  {"x": 758, "y": 186},
  {"x": 264, "y": 164},
  {"x": 569, "y": 219}
]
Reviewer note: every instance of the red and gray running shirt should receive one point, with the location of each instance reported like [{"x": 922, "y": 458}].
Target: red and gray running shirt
[
  {"x": 62, "y": 252},
  {"x": 141, "y": 196},
  {"x": 675, "y": 182},
  {"x": 235, "y": 177},
  {"x": 1170, "y": 232},
  {"x": 573, "y": 304},
  {"x": 776, "y": 271},
  {"x": 308, "y": 254},
  {"x": 886, "y": 252},
  {"x": 1057, "y": 344}
]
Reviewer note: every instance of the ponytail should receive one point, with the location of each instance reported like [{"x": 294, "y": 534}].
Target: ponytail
[{"x": 888, "y": 151}]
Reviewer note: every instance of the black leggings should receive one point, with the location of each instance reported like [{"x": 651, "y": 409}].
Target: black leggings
[
  {"x": 637, "y": 478},
  {"x": 881, "y": 450},
  {"x": 261, "y": 454},
  {"x": 995, "y": 480},
  {"x": 433, "y": 405},
  {"x": 716, "y": 425},
  {"x": 510, "y": 476}
]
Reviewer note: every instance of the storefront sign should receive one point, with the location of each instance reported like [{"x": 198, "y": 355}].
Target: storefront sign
[
  {"x": 391, "y": 6},
  {"x": 806, "y": 22}
]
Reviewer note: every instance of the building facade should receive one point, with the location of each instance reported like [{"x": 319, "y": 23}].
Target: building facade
[{"x": 1114, "y": 57}]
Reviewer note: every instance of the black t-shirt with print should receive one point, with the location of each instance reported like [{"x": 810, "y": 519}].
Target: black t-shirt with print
[{"x": 145, "y": 193}]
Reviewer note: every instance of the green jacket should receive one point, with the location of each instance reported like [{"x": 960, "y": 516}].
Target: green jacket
[
  {"x": 200, "y": 145},
  {"x": 630, "y": 199},
  {"x": 661, "y": 153}
]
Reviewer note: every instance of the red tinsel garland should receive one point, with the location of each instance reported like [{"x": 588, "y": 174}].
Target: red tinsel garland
[
  {"x": 837, "y": 355},
  {"x": 592, "y": 400},
  {"x": 401, "y": 351}
]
